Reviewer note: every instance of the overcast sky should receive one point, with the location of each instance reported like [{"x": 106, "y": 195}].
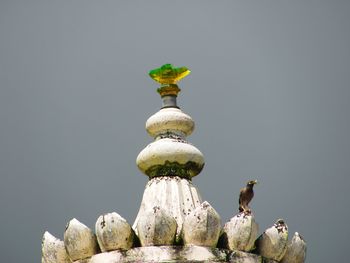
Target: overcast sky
[{"x": 269, "y": 92}]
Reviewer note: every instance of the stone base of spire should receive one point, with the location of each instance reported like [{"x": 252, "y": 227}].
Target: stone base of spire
[{"x": 174, "y": 254}]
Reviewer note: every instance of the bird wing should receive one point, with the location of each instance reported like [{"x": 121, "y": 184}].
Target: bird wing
[{"x": 241, "y": 196}]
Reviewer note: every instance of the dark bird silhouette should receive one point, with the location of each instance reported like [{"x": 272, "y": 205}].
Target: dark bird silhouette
[{"x": 245, "y": 196}]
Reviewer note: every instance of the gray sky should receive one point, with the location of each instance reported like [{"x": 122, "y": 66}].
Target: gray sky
[{"x": 269, "y": 92}]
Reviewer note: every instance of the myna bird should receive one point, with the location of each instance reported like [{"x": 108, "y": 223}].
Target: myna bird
[{"x": 245, "y": 196}]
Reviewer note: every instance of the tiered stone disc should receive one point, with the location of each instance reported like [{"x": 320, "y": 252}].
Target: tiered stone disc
[{"x": 170, "y": 154}]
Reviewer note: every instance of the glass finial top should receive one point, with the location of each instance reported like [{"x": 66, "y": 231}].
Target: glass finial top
[{"x": 167, "y": 74}]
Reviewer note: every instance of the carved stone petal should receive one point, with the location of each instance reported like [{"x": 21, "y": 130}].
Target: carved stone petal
[
  {"x": 272, "y": 244},
  {"x": 241, "y": 232},
  {"x": 79, "y": 240},
  {"x": 156, "y": 228},
  {"x": 174, "y": 195},
  {"x": 296, "y": 250},
  {"x": 113, "y": 232},
  {"x": 53, "y": 250},
  {"x": 202, "y": 226}
]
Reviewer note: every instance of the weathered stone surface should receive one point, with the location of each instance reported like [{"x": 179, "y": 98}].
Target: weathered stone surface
[
  {"x": 272, "y": 244},
  {"x": 111, "y": 257},
  {"x": 113, "y": 232},
  {"x": 177, "y": 197},
  {"x": 241, "y": 232},
  {"x": 79, "y": 240},
  {"x": 202, "y": 226},
  {"x": 156, "y": 228},
  {"x": 242, "y": 257},
  {"x": 181, "y": 254},
  {"x": 53, "y": 250},
  {"x": 296, "y": 250},
  {"x": 267, "y": 260}
]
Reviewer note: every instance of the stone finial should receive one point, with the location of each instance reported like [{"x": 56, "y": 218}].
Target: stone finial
[
  {"x": 241, "y": 232},
  {"x": 53, "y": 250},
  {"x": 296, "y": 250},
  {"x": 202, "y": 226},
  {"x": 156, "y": 228},
  {"x": 170, "y": 154},
  {"x": 272, "y": 244},
  {"x": 113, "y": 232},
  {"x": 79, "y": 240}
]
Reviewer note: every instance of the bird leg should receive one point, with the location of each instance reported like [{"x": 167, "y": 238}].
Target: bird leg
[{"x": 245, "y": 209}]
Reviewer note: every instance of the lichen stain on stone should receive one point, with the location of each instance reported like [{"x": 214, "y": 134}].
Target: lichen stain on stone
[
  {"x": 67, "y": 225},
  {"x": 187, "y": 170},
  {"x": 103, "y": 222}
]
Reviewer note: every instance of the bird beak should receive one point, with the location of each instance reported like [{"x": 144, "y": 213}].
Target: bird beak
[{"x": 255, "y": 181}]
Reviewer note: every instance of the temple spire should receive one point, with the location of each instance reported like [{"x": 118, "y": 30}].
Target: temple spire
[
  {"x": 173, "y": 223},
  {"x": 169, "y": 161}
]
